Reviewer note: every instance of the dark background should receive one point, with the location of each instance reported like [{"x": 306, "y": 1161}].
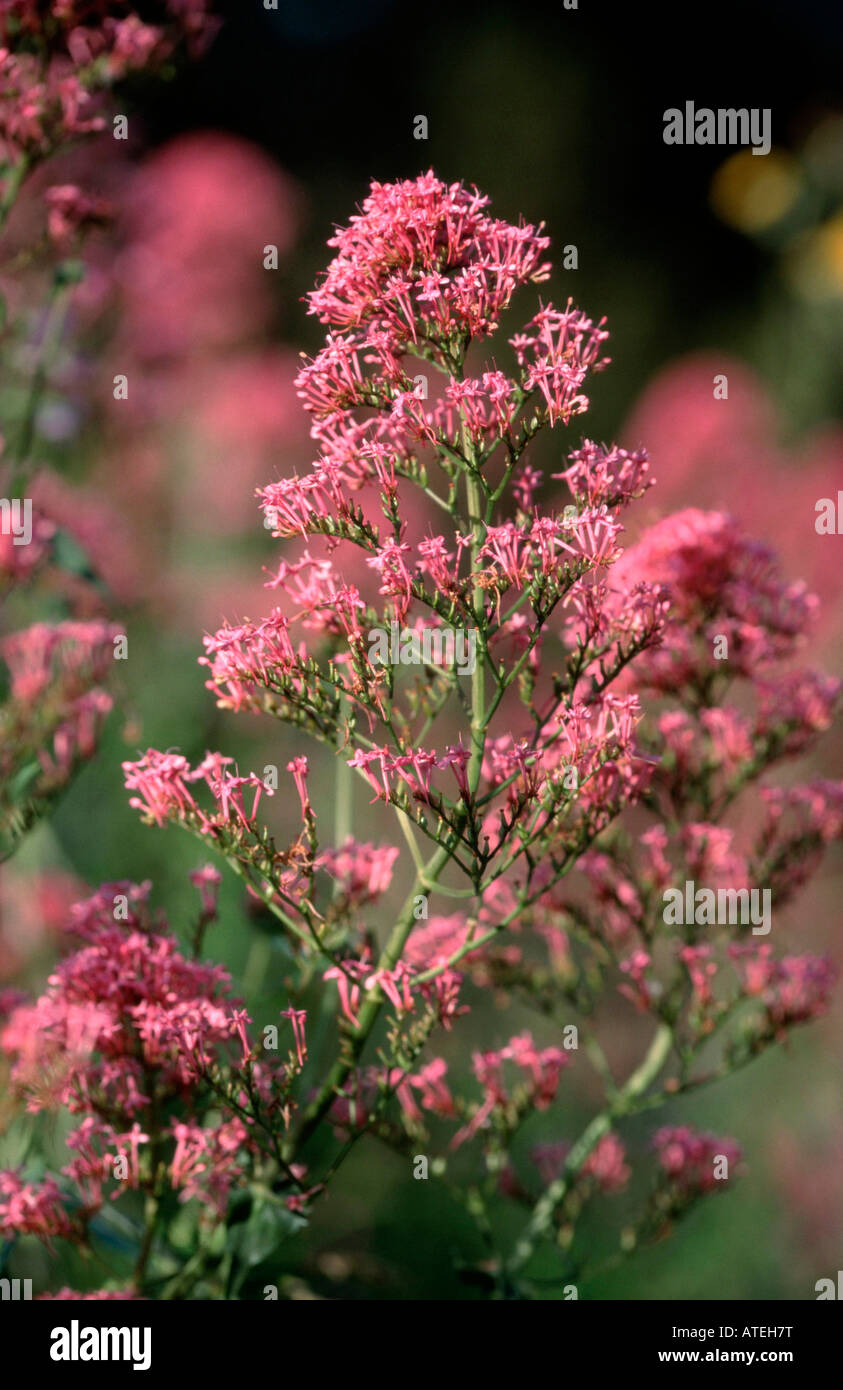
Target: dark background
[{"x": 557, "y": 114}]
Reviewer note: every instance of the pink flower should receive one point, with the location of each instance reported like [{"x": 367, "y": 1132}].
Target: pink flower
[
  {"x": 32, "y": 1209},
  {"x": 705, "y": 446},
  {"x": 206, "y": 1162},
  {"x": 71, "y": 210},
  {"x": 606, "y": 1164},
  {"x": 429, "y": 1080},
  {"x": 395, "y": 984},
  {"x": 557, "y": 355},
  {"x": 415, "y": 769},
  {"x": 363, "y": 871},
  {"x": 794, "y": 990},
  {"x": 207, "y": 880},
  {"x": 298, "y": 767},
  {"x": 124, "y": 1005},
  {"x": 128, "y": 1148},
  {"x": 298, "y": 1018},
  {"x": 795, "y": 709},
  {"x": 409, "y": 224},
  {"x": 395, "y": 577},
  {"x": 162, "y": 779},
  {"x": 688, "y": 1158},
  {"x": 701, "y": 969},
  {"x": 722, "y": 584},
  {"x": 347, "y": 977},
  {"x": 606, "y": 477},
  {"x": 710, "y": 854},
  {"x": 640, "y": 991},
  {"x": 183, "y": 230}
]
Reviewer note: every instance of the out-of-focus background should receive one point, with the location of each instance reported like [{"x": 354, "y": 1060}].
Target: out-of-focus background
[{"x": 705, "y": 261}]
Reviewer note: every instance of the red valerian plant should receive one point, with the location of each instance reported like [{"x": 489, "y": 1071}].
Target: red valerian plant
[
  {"x": 58, "y": 61},
  {"x": 530, "y": 785},
  {"x": 51, "y": 717},
  {"x": 56, "y": 58}
]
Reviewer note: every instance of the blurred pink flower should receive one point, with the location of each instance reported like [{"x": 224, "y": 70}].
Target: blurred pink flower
[
  {"x": 31, "y": 907},
  {"x": 711, "y": 453},
  {"x": 810, "y": 1179},
  {"x": 198, "y": 215}
]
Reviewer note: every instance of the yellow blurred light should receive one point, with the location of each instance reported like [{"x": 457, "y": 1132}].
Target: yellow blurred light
[
  {"x": 830, "y": 236},
  {"x": 815, "y": 262},
  {"x": 753, "y": 194}
]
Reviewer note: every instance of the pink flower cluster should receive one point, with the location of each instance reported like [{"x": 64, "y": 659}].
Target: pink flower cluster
[
  {"x": 794, "y": 989},
  {"x": 389, "y": 270},
  {"x": 129, "y": 1031},
  {"x": 363, "y": 872},
  {"x": 163, "y": 784},
  {"x": 46, "y": 80},
  {"x": 721, "y": 584},
  {"x": 540, "y": 1068},
  {"x": 606, "y": 1163},
  {"x": 20, "y": 563},
  {"x": 31, "y": 1208},
  {"x": 57, "y": 61},
  {"x": 126, "y": 1007},
  {"x": 67, "y": 654},
  {"x": 689, "y": 1158},
  {"x": 54, "y": 711}
]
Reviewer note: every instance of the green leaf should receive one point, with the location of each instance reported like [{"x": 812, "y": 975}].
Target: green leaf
[
  {"x": 70, "y": 272},
  {"x": 22, "y": 780},
  {"x": 269, "y": 1224},
  {"x": 70, "y": 556}
]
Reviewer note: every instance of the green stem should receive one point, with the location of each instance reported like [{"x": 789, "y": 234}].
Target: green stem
[
  {"x": 150, "y": 1217},
  {"x": 391, "y": 954},
  {"x": 426, "y": 879},
  {"x": 13, "y": 185},
  {"x": 343, "y": 796},
  {"x": 478, "y": 675},
  {"x": 543, "y": 1213},
  {"x": 50, "y": 341}
]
